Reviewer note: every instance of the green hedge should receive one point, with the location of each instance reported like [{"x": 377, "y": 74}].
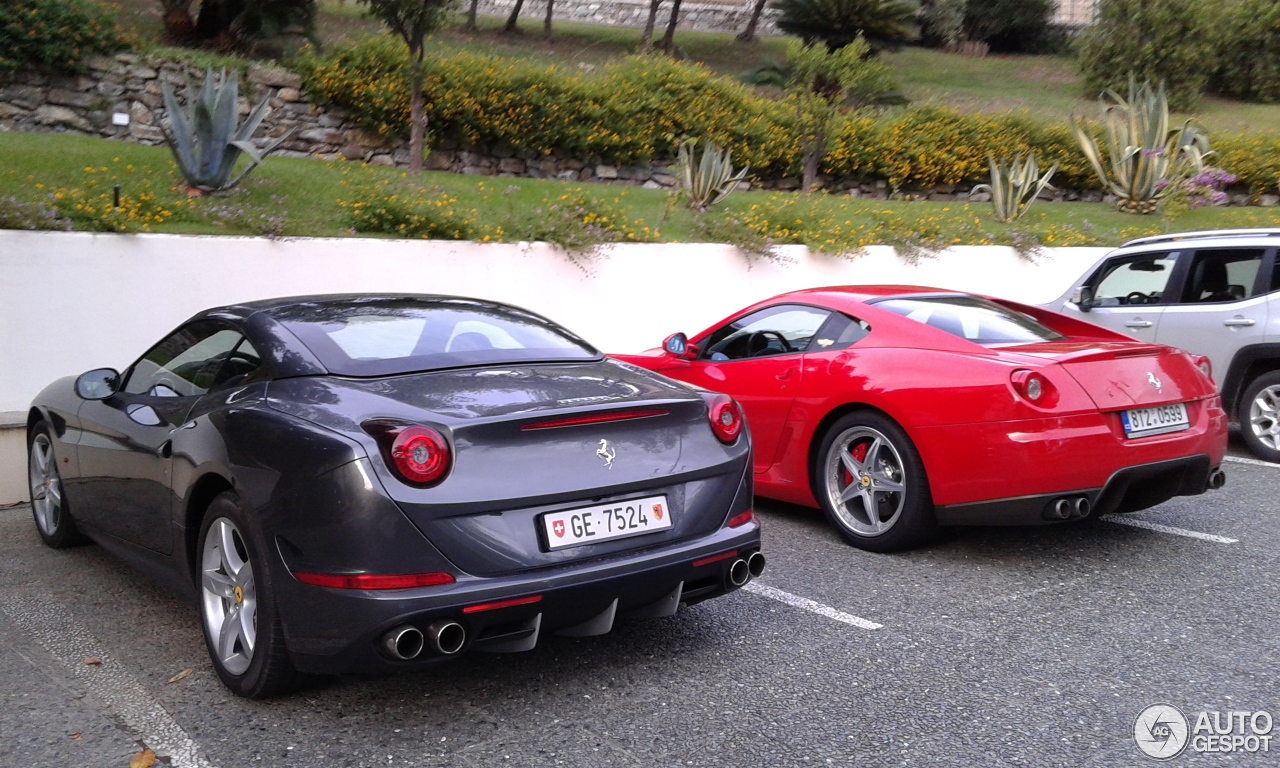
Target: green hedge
[
  {"x": 56, "y": 34},
  {"x": 637, "y": 109}
]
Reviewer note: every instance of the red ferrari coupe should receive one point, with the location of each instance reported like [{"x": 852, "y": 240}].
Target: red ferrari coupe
[{"x": 899, "y": 409}]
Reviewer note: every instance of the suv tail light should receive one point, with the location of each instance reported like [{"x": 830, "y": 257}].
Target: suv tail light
[
  {"x": 419, "y": 455},
  {"x": 725, "y": 417}
]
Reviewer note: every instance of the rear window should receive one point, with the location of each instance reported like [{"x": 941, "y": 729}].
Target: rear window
[
  {"x": 381, "y": 336},
  {"x": 971, "y": 318}
]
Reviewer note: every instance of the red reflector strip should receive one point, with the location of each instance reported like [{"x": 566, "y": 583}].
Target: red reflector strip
[
  {"x": 741, "y": 519},
  {"x": 714, "y": 559},
  {"x": 502, "y": 604},
  {"x": 595, "y": 418},
  {"x": 372, "y": 581}
]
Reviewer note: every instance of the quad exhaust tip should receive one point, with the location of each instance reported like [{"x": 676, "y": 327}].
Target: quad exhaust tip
[
  {"x": 739, "y": 573},
  {"x": 404, "y": 642},
  {"x": 755, "y": 564},
  {"x": 446, "y": 637}
]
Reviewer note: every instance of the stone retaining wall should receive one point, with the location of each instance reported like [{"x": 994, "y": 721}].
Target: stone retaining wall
[{"x": 706, "y": 16}]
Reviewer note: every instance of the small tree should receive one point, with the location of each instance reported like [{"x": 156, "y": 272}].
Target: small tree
[
  {"x": 511, "y": 26},
  {"x": 822, "y": 84},
  {"x": 646, "y": 38},
  {"x": 748, "y": 35},
  {"x": 668, "y": 43},
  {"x": 413, "y": 20}
]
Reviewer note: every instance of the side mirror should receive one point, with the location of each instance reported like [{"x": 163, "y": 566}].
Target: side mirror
[
  {"x": 1083, "y": 298},
  {"x": 98, "y": 384},
  {"x": 677, "y": 345}
]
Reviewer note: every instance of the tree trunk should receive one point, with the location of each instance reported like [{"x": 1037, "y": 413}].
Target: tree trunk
[
  {"x": 668, "y": 39},
  {"x": 417, "y": 115},
  {"x": 546, "y": 23},
  {"x": 748, "y": 35},
  {"x": 471, "y": 16},
  {"x": 511, "y": 20},
  {"x": 646, "y": 39},
  {"x": 814, "y": 148}
]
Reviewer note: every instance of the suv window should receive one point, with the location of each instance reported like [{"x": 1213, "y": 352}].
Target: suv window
[
  {"x": 1223, "y": 275},
  {"x": 1140, "y": 280}
]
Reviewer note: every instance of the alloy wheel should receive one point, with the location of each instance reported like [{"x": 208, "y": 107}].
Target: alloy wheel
[
  {"x": 1264, "y": 416},
  {"x": 46, "y": 485},
  {"x": 865, "y": 481},
  {"x": 230, "y": 597}
]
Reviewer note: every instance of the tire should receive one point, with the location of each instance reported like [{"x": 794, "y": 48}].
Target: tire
[
  {"x": 1259, "y": 416},
  {"x": 250, "y": 656},
  {"x": 48, "y": 503},
  {"x": 868, "y": 461}
]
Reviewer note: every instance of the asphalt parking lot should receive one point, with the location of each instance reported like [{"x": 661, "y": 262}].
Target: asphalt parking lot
[{"x": 1035, "y": 647}]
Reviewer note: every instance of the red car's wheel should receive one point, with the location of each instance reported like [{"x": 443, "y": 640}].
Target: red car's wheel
[{"x": 872, "y": 484}]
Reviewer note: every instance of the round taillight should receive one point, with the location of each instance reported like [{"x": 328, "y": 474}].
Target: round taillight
[
  {"x": 1032, "y": 387},
  {"x": 726, "y": 419},
  {"x": 1205, "y": 366},
  {"x": 420, "y": 455}
]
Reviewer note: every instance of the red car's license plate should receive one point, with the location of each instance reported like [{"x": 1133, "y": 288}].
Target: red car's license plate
[{"x": 1144, "y": 422}]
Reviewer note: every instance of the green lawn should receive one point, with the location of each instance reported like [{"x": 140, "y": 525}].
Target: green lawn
[{"x": 65, "y": 171}]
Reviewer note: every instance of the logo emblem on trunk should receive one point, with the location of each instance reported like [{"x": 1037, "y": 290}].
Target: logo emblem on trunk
[
  {"x": 606, "y": 453},
  {"x": 1153, "y": 381}
]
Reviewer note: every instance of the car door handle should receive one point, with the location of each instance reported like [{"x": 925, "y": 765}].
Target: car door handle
[
  {"x": 165, "y": 450},
  {"x": 784, "y": 375},
  {"x": 1239, "y": 322},
  {"x": 1138, "y": 324}
]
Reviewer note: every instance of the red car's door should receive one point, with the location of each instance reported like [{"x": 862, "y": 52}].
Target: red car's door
[{"x": 756, "y": 359}]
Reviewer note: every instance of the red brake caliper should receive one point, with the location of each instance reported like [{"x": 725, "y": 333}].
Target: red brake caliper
[{"x": 859, "y": 454}]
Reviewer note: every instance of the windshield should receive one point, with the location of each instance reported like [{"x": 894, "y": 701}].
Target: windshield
[
  {"x": 971, "y": 318},
  {"x": 388, "y": 336}
]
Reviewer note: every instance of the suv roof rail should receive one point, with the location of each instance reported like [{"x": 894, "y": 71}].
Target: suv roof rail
[{"x": 1205, "y": 233}]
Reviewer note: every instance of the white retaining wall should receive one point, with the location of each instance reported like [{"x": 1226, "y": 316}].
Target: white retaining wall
[{"x": 70, "y": 302}]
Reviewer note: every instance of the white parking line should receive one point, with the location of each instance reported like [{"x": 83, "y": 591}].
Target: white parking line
[
  {"x": 70, "y": 643},
  {"x": 1137, "y": 523},
  {"x": 805, "y": 604},
  {"x": 1254, "y": 462}
]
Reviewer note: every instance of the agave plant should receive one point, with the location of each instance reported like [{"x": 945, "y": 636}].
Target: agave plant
[
  {"x": 1147, "y": 159},
  {"x": 1014, "y": 187},
  {"x": 205, "y": 140},
  {"x": 711, "y": 180}
]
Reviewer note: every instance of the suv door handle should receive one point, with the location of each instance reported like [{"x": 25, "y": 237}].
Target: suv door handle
[
  {"x": 1239, "y": 322},
  {"x": 1138, "y": 324}
]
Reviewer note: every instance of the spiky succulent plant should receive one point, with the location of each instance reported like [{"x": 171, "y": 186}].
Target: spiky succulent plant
[
  {"x": 1146, "y": 158},
  {"x": 1015, "y": 186},
  {"x": 711, "y": 179},
  {"x": 205, "y": 139}
]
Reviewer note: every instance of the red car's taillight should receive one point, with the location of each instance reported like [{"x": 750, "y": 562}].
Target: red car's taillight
[
  {"x": 1204, "y": 365},
  {"x": 725, "y": 418},
  {"x": 419, "y": 455},
  {"x": 1034, "y": 388}
]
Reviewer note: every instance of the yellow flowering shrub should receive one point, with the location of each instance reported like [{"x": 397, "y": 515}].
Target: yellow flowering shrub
[{"x": 432, "y": 215}]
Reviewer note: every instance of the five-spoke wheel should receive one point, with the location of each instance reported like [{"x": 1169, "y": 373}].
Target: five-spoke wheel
[
  {"x": 241, "y": 627},
  {"x": 872, "y": 485},
  {"x": 48, "y": 505},
  {"x": 1260, "y": 416}
]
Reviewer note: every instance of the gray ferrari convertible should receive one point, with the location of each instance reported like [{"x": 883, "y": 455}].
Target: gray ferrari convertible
[{"x": 373, "y": 483}]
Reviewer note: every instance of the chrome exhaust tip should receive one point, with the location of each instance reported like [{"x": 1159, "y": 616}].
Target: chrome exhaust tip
[
  {"x": 446, "y": 637},
  {"x": 1062, "y": 509},
  {"x": 739, "y": 573},
  {"x": 755, "y": 564},
  {"x": 1081, "y": 506},
  {"x": 1217, "y": 479},
  {"x": 403, "y": 642}
]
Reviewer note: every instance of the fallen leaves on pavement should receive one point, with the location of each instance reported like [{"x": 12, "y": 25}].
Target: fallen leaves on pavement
[
  {"x": 180, "y": 675},
  {"x": 144, "y": 759}
]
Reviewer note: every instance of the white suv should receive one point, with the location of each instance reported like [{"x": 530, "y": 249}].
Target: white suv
[{"x": 1215, "y": 294}]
